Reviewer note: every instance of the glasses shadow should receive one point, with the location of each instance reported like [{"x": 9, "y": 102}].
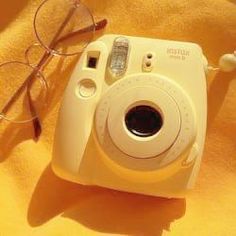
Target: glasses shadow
[
  {"x": 101, "y": 209},
  {"x": 10, "y": 9},
  {"x": 13, "y": 134}
]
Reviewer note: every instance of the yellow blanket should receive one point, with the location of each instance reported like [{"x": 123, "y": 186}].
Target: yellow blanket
[{"x": 33, "y": 201}]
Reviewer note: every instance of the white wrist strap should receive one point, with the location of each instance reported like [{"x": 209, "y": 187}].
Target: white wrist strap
[{"x": 227, "y": 63}]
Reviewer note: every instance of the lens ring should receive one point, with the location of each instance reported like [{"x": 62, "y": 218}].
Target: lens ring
[
  {"x": 44, "y": 88},
  {"x": 77, "y": 5}
]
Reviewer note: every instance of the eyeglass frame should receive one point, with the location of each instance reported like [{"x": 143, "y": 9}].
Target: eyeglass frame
[{"x": 47, "y": 56}]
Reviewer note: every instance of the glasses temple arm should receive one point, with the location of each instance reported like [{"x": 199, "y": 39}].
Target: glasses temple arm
[
  {"x": 54, "y": 41},
  {"x": 99, "y": 25}
]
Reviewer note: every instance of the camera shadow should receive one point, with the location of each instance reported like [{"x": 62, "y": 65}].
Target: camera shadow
[
  {"x": 100, "y": 209},
  {"x": 217, "y": 92}
]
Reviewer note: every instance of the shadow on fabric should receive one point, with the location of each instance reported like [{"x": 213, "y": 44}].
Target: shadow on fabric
[
  {"x": 100, "y": 209},
  {"x": 216, "y": 94},
  {"x": 11, "y": 10},
  {"x": 232, "y": 1}
]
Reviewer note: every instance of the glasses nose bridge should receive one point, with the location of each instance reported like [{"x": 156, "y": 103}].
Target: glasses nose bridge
[{"x": 30, "y": 51}]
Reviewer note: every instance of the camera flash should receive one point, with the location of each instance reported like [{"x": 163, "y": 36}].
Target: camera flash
[{"x": 119, "y": 57}]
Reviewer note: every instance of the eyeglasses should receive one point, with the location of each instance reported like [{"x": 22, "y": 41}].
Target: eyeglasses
[{"x": 22, "y": 102}]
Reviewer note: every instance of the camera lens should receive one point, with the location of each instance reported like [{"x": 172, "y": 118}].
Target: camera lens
[{"x": 143, "y": 121}]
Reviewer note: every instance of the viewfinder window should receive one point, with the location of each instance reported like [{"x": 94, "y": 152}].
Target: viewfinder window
[
  {"x": 92, "y": 62},
  {"x": 92, "y": 59}
]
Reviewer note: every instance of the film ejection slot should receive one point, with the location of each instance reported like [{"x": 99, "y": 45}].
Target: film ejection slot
[{"x": 119, "y": 57}]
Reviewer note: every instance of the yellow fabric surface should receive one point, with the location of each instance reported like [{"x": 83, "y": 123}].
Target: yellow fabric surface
[{"x": 33, "y": 201}]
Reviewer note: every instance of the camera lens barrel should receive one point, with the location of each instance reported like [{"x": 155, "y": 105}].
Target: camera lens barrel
[{"x": 143, "y": 121}]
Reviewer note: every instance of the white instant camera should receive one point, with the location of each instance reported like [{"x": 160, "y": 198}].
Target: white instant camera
[{"x": 133, "y": 117}]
